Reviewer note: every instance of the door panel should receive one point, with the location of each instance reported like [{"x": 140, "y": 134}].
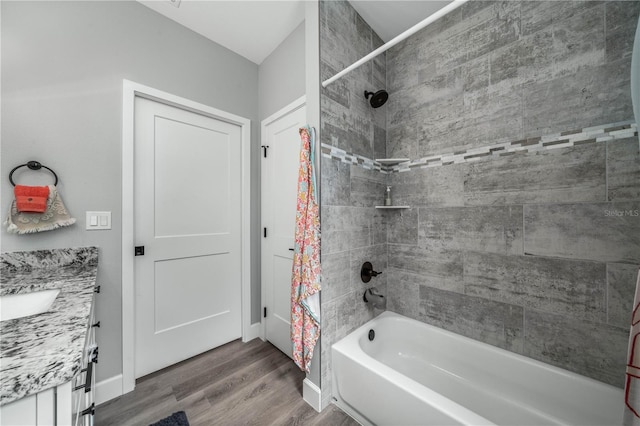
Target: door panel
[
  {"x": 280, "y": 185},
  {"x": 203, "y": 302},
  {"x": 187, "y": 215},
  {"x": 192, "y": 177}
]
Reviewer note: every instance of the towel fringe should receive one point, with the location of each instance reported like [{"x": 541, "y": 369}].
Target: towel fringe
[{"x": 12, "y": 228}]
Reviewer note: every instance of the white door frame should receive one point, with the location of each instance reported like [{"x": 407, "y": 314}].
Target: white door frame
[
  {"x": 129, "y": 92},
  {"x": 298, "y": 103}
]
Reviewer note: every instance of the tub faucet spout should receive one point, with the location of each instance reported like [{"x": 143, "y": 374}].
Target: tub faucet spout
[{"x": 373, "y": 297}]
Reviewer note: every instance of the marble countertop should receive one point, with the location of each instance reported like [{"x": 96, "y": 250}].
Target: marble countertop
[{"x": 41, "y": 351}]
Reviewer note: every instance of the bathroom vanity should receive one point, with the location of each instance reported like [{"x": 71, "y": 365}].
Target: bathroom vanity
[{"x": 48, "y": 351}]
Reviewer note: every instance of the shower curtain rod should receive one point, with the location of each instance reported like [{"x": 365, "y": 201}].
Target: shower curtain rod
[{"x": 397, "y": 39}]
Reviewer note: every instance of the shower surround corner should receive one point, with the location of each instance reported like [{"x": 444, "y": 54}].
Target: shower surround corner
[{"x": 523, "y": 181}]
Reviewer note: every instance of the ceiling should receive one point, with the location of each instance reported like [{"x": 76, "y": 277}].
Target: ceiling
[
  {"x": 254, "y": 28},
  {"x": 251, "y": 28},
  {"x": 388, "y": 18}
]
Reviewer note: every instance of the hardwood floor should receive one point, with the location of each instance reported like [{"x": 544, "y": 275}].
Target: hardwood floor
[{"x": 236, "y": 384}]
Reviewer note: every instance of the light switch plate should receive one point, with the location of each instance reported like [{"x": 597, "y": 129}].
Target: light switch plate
[{"x": 98, "y": 221}]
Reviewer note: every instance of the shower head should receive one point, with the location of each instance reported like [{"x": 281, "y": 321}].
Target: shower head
[{"x": 378, "y": 99}]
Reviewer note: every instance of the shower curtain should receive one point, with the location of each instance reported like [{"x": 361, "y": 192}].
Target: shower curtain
[
  {"x": 305, "y": 277},
  {"x": 632, "y": 384}
]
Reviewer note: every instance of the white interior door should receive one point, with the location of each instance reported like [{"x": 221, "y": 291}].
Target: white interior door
[
  {"x": 279, "y": 194},
  {"x": 187, "y": 190}
]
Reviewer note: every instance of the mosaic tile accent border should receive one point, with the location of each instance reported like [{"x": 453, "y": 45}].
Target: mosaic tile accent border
[
  {"x": 329, "y": 151},
  {"x": 565, "y": 139}
]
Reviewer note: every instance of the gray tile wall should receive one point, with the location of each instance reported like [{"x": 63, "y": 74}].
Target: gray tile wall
[
  {"x": 348, "y": 121},
  {"x": 535, "y": 252},
  {"x": 353, "y": 231},
  {"x": 501, "y": 271}
]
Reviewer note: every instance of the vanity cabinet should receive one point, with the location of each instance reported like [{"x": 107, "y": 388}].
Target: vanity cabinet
[
  {"x": 69, "y": 404},
  {"x": 48, "y": 359},
  {"x": 33, "y": 410},
  {"x": 59, "y": 406}
]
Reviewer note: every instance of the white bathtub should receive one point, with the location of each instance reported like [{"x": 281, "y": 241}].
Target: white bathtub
[{"x": 416, "y": 374}]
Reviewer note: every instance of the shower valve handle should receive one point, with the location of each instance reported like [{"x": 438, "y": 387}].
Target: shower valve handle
[{"x": 367, "y": 272}]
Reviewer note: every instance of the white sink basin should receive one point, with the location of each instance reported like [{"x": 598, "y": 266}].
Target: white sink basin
[{"x": 14, "y": 306}]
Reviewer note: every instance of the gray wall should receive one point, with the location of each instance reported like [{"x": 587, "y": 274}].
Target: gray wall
[
  {"x": 352, "y": 229},
  {"x": 534, "y": 252},
  {"x": 62, "y": 70},
  {"x": 281, "y": 76}
]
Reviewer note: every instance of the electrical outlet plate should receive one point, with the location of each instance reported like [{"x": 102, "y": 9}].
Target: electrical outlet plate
[{"x": 98, "y": 221}]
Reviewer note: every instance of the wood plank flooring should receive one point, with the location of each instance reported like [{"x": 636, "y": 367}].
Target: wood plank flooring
[{"x": 236, "y": 384}]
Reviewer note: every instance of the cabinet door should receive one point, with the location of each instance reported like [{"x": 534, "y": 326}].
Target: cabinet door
[
  {"x": 63, "y": 404},
  {"x": 19, "y": 413},
  {"x": 46, "y": 408}
]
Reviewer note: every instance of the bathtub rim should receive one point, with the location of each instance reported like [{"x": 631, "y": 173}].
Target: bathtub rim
[
  {"x": 488, "y": 346},
  {"x": 428, "y": 396},
  {"x": 347, "y": 344}
]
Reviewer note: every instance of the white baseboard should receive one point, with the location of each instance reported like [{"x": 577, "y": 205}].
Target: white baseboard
[
  {"x": 311, "y": 394},
  {"x": 255, "y": 331},
  {"x": 108, "y": 389}
]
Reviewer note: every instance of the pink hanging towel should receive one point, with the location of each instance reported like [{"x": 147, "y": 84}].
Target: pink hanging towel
[
  {"x": 632, "y": 385},
  {"x": 305, "y": 277}
]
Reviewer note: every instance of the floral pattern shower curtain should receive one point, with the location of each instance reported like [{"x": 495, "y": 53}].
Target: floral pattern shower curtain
[
  {"x": 305, "y": 279},
  {"x": 632, "y": 384}
]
